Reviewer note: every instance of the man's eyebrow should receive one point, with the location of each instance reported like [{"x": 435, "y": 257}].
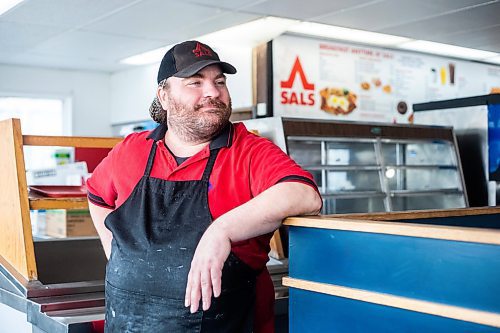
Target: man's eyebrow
[
  {"x": 200, "y": 76},
  {"x": 194, "y": 76}
]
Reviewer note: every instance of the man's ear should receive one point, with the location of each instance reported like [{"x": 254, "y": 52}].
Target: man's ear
[{"x": 162, "y": 95}]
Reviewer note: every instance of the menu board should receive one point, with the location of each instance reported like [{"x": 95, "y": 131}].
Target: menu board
[{"x": 314, "y": 78}]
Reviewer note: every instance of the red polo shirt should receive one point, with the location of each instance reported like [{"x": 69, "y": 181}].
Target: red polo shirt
[{"x": 245, "y": 166}]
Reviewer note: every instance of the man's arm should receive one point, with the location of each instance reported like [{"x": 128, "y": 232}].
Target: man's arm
[
  {"x": 98, "y": 215},
  {"x": 263, "y": 214}
]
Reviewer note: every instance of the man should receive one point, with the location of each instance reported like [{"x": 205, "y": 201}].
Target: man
[{"x": 185, "y": 212}]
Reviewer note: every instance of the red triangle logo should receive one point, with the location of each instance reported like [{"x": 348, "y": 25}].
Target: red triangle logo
[
  {"x": 297, "y": 69},
  {"x": 201, "y": 50}
]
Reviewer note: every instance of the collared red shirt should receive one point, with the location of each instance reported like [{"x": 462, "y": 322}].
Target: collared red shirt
[{"x": 246, "y": 166}]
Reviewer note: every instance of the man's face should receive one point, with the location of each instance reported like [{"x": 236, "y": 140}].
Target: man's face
[{"x": 197, "y": 107}]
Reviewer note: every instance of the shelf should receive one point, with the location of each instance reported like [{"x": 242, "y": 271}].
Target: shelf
[
  {"x": 70, "y": 141},
  {"x": 40, "y": 202},
  {"x": 423, "y": 166},
  {"x": 342, "y": 167},
  {"x": 353, "y": 194},
  {"x": 408, "y": 193}
]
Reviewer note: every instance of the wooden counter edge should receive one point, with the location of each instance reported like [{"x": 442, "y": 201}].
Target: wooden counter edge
[
  {"x": 419, "y": 214},
  {"x": 431, "y": 308},
  {"x": 461, "y": 234}
]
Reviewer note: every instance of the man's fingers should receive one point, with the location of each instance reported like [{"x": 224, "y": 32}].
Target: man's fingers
[
  {"x": 216, "y": 275},
  {"x": 206, "y": 289},
  {"x": 195, "y": 292},
  {"x": 187, "y": 297}
]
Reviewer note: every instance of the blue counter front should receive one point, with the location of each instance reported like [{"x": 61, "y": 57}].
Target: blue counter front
[{"x": 372, "y": 276}]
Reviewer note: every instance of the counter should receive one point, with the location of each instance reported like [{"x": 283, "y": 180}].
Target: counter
[{"x": 428, "y": 271}]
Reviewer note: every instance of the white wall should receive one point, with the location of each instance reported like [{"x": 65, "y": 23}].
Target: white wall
[
  {"x": 100, "y": 99},
  {"x": 132, "y": 91},
  {"x": 89, "y": 93}
]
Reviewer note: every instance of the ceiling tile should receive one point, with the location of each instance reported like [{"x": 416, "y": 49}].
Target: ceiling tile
[
  {"x": 300, "y": 9},
  {"x": 95, "y": 34},
  {"x": 467, "y": 20},
  {"x": 223, "y": 21},
  {"x": 17, "y": 37},
  {"x": 154, "y": 19},
  {"x": 484, "y": 39},
  {"x": 90, "y": 45},
  {"x": 226, "y": 4},
  {"x": 63, "y": 13},
  {"x": 380, "y": 15}
]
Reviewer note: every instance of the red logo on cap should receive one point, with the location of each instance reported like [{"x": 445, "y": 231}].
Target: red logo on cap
[{"x": 201, "y": 50}]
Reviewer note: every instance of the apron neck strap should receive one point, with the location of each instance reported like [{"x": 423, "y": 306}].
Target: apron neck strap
[
  {"x": 210, "y": 164},
  {"x": 151, "y": 158},
  {"x": 208, "y": 167}
]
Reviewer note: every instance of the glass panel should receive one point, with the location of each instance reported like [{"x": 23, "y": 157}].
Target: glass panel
[
  {"x": 422, "y": 179},
  {"x": 353, "y": 181},
  {"x": 350, "y": 153},
  {"x": 422, "y": 153},
  {"x": 317, "y": 177},
  {"x": 429, "y": 153},
  {"x": 305, "y": 152},
  {"x": 428, "y": 202},
  {"x": 353, "y": 205}
]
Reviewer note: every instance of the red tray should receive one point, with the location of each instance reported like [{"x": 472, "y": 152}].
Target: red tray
[{"x": 59, "y": 191}]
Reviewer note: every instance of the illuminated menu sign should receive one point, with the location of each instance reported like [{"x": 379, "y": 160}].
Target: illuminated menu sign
[{"x": 314, "y": 78}]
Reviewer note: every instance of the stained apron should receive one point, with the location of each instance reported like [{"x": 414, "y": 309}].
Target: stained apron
[{"x": 155, "y": 233}]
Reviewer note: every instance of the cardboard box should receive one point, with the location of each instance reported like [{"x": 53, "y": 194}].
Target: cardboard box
[{"x": 69, "y": 223}]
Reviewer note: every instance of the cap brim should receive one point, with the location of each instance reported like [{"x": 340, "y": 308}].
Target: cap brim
[{"x": 198, "y": 66}]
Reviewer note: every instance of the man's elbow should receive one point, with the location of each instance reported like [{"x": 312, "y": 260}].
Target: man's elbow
[
  {"x": 317, "y": 203},
  {"x": 312, "y": 200}
]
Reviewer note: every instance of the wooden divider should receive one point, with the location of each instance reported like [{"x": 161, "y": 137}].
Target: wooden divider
[
  {"x": 432, "y": 308},
  {"x": 70, "y": 141},
  {"x": 16, "y": 241}
]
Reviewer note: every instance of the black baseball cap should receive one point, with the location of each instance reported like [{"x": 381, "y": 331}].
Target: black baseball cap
[{"x": 188, "y": 58}]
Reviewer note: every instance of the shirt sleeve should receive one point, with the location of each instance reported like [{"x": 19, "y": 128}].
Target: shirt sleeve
[
  {"x": 269, "y": 165},
  {"x": 100, "y": 186}
]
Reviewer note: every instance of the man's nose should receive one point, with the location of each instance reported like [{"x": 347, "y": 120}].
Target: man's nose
[{"x": 211, "y": 90}]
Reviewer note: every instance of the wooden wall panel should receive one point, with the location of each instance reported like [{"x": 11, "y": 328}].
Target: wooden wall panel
[{"x": 16, "y": 241}]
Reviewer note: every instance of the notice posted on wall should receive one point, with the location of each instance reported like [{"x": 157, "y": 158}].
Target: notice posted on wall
[{"x": 315, "y": 78}]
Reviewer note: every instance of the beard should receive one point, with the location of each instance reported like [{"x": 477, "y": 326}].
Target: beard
[{"x": 193, "y": 125}]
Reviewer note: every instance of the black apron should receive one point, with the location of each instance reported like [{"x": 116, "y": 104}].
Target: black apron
[{"x": 155, "y": 233}]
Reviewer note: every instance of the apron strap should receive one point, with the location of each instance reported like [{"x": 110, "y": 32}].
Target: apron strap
[
  {"x": 151, "y": 158},
  {"x": 210, "y": 164},
  {"x": 206, "y": 173}
]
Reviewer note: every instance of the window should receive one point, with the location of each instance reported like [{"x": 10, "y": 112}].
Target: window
[{"x": 39, "y": 116}]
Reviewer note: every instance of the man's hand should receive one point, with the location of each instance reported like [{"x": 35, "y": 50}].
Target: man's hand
[{"x": 206, "y": 267}]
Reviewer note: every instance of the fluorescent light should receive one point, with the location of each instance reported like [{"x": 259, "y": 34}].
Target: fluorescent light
[
  {"x": 334, "y": 32},
  {"x": 493, "y": 60},
  {"x": 249, "y": 34},
  {"x": 446, "y": 50},
  {"x": 265, "y": 29},
  {"x": 6, "y": 5},
  {"x": 261, "y": 31}
]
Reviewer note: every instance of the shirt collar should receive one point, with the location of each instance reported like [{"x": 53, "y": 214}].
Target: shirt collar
[{"x": 223, "y": 139}]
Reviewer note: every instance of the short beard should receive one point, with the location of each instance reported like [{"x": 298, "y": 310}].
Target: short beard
[{"x": 195, "y": 126}]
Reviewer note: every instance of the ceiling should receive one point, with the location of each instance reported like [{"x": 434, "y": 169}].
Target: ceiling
[{"x": 97, "y": 34}]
